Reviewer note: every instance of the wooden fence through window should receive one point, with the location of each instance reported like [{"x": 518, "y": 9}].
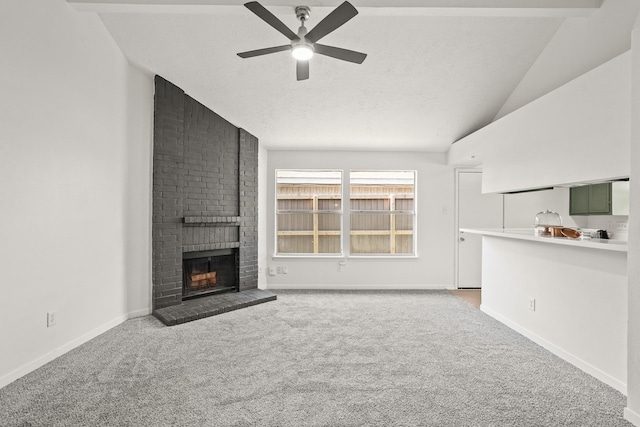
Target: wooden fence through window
[{"x": 309, "y": 219}]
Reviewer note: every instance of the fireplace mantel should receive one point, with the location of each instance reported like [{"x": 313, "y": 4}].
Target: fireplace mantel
[{"x": 197, "y": 220}]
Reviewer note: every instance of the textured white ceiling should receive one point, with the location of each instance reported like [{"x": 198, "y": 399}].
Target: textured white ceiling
[{"x": 428, "y": 79}]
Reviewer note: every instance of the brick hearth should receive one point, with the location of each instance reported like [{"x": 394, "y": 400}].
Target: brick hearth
[{"x": 200, "y": 308}]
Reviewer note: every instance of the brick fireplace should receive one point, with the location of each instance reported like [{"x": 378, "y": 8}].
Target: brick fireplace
[{"x": 205, "y": 190}]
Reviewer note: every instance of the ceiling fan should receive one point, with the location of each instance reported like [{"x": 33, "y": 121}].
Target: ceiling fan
[{"x": 304, "y": 45}]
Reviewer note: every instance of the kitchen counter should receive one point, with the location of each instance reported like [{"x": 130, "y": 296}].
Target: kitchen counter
[
  {"x": 529, "y": 234},
  {"x": 568, "y": 295}
]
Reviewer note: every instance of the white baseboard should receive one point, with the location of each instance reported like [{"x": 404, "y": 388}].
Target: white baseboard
[
  {"x": 632, "y": 416},
  {"x": 48, "y": 357},
  {"x": 560, "y": 352},
  {"x": 354, "y": 287},
  {"x": 139, "y": 313}
]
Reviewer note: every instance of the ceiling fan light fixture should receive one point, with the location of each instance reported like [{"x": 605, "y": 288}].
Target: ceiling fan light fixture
[
  {"x": 303, "y": 45},
  {"x": 302, "y": 51}
]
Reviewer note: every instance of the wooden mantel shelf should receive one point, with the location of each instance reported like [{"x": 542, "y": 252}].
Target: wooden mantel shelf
[{"x": 196, "y": 220}]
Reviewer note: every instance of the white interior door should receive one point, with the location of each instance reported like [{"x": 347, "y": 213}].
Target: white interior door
[{"x": 475, "y": 210}]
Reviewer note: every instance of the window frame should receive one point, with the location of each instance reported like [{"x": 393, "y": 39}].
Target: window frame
[
  {"x": 392, "y": 212},
  {"x": 316, "y": 232},
  {"x": 345, "y": 232}
]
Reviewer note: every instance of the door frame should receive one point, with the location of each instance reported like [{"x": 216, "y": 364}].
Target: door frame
[{"x": 456, "y": 244}]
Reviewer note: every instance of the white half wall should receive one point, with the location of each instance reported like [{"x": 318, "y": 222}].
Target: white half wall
[
  {"x": 75, "y": 173},
  {"x": 432, "y": 268},
  {"x": 580, "y": 301}
]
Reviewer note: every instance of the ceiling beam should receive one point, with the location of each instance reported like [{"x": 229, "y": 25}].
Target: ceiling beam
[{"x": 542, "y": 8}]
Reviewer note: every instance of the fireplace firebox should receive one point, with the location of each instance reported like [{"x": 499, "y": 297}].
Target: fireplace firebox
[{"x": 208, "y": 272}]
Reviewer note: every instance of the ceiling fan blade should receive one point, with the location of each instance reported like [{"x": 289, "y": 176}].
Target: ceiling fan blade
[
  {"x": 265, "y": 51},
  {"x": 302, "y": 70},
  {"x": 332, "y": 21},
  {"x": 339, "y": 53},
  {"x": 270, "y": 19}
]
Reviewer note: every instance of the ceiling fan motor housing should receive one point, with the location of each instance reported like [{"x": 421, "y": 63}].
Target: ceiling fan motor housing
[{"x": 302, "y": 12}]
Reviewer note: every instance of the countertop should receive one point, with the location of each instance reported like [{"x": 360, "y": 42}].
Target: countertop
[{"x": 530, "y": 235}]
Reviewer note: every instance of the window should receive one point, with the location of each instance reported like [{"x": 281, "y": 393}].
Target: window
[
  {"x": 309, "y": 212},
  {"x": 382, "y": 212}
]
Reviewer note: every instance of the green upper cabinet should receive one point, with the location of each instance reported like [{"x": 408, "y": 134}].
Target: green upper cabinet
[
  {"x": 608, "y": 198},
  {"x": 600, "y": 199},
  {"x": 579, "y": 200}
]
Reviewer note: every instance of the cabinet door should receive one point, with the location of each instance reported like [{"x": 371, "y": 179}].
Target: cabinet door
[
  {"x": 600, "y": 199},
  {"x": 579, "y": 200}
]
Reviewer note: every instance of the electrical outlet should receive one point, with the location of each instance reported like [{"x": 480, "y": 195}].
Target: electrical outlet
[
  {"x": 51, "y": 318},
  {"x": 341, "y": 266},
  {"x": 279, "y": 270},
  {"x": 532, "y": 304},
  {"x": 622, "y": 226},
  {"x": 272, "y": 271}
]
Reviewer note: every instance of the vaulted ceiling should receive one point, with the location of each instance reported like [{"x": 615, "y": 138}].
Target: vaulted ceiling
[{"x": 436, "y": 70}]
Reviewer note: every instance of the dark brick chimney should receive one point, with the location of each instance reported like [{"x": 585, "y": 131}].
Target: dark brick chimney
[{"x": 205, "y": 191}]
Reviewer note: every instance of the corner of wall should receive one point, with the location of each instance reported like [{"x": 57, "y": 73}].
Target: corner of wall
[
  {"x": 138, "y": 188},
  {"x": 632, "y": 412},
  {"x": 263, "y": 251},
  {"x": 579, "y": 45}
]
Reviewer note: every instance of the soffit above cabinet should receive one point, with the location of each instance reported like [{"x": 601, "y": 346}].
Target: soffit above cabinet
[{"x": 578, "y": 133}]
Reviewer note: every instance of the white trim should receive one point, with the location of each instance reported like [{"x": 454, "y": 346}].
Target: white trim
[
  {"x": 275, "y": 213},
  {"x": 138, "y": 313},
  {"x": 521, "y": 8},
  {"x": 632, "y": 416},
  {"x": 48, "y": 357},
  {"x": 365, "y": 287},
  {"x": 456, "y": 223},
  {"x": 345, "y": 213},
  {"x": 560, "y": 352}
]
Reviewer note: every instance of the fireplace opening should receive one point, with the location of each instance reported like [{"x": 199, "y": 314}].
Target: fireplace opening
[{"x": 208, "y": 272}]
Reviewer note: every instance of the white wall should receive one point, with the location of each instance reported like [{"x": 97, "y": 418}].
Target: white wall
[
  {"x": 579, "y": 45},
  {"x": 632, "y": 412},
  {"x": 580, "y": 301},
  {"x": 433, "y": 268},
  {"x": 520, "y": 209},
  {"x": 263, "y": 156},
  {"x": 74, "y": 183},
  {"x": 138, "y": 190},
  {"x": 577, "y": 133}
]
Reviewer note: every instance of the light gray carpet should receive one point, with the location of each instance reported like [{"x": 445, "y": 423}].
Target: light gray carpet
[{"x": 315, "y": 359}]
